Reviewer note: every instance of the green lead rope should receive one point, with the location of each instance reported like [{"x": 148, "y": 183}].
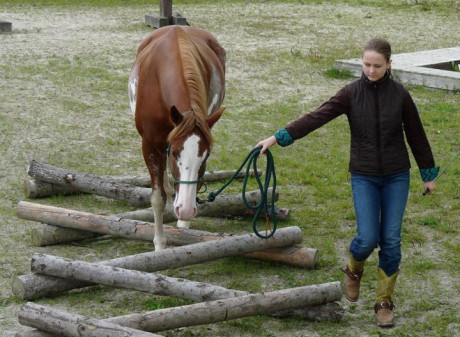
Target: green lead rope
[{"x": 263, "y": 204}]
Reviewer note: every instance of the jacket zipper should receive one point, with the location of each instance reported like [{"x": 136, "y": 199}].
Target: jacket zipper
[{"x": 378, "y": 131}]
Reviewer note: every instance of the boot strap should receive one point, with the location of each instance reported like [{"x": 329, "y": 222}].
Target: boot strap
[
  {"x": 381, "y": 305},
  {"x": 355, "y": 277}
]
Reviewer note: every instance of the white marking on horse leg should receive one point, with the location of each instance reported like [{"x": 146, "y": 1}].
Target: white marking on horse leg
[
  {"x": 132, "y": 89},
  {"x": 158, "y": 206}
]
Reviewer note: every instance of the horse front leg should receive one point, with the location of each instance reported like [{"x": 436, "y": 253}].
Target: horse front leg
[{"x": 158, "y": 207}]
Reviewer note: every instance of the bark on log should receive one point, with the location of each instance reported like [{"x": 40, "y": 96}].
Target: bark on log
[
  {"x": 36, "y": 286},
  {"x": 75, "y": 220},
  {"x": 157, "y": 284},
  {"x": 331, "y": 312},
  {"x": 62, "y": 323},
  {"x": 40, "y": 189},
  {"x": 130, "y": 279},
  {"x": 207, "y": 312},
  {"x": 224, "y": 205},
  {"x": 232, "y": 308},
  {"x": 90, "y": 184},
  {"x": 51, "y": 180}
]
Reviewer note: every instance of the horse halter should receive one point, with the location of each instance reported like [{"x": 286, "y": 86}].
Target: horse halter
[{"x": 175, "y": 181}]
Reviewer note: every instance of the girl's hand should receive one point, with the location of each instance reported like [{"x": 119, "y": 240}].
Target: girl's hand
[
  {"x": 429, "y": 187},
  {"x": 266, "y": 143}
]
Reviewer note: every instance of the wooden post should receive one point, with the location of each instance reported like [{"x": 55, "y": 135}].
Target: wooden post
[
  {"x": 196, "y": 314},
  {"x": 6, "y": 26},
  {"x": 166, "y": 16},
  {"x": 36, "y": 286}
]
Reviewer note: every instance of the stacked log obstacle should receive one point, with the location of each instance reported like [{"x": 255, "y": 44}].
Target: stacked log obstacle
[
  {"x": 66, "y": 324},
  {"x": 154, "y": 283},
  {"x": 43, "y": 185},
  {"x": 89, "y": 183},
  {"x": 132, "y": 229},
  {"x": 34, "y": 286},
  {"x": 223, "y": 205}
]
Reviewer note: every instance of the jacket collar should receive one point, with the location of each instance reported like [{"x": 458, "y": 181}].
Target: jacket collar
[{"x": 377, "y": 84}]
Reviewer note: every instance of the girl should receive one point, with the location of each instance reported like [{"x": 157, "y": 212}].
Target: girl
[{"x": 380, "y": 113}]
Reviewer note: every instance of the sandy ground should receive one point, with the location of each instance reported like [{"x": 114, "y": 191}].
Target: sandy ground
[{"x": 36, "y": 126}]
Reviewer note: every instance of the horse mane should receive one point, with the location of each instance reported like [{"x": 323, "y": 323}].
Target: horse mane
[{"x": 194, "y": 71}]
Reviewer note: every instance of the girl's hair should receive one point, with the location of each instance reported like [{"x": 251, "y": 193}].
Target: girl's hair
[{"x": 380, "y": 46}]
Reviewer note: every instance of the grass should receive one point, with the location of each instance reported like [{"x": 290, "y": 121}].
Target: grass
[{"x": 78, "y": 120}]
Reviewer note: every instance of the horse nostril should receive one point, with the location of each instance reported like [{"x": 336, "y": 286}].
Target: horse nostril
[{"x": 177, "y": 210}]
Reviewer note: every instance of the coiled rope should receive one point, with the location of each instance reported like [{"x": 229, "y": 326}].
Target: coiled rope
[{"x": 265, "y": 204}]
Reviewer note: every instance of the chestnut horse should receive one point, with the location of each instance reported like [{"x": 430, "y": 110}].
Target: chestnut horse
[{"x": 176, "y": 87}]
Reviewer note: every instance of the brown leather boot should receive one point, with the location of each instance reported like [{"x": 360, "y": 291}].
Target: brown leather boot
[
  {"x": 384, "y": 314},
  {"x": 351, "y": 284},
  {"x": 383, "y": 305}
]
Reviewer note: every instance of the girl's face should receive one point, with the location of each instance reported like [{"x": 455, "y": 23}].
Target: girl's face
[{"x": 375, "y": 65}]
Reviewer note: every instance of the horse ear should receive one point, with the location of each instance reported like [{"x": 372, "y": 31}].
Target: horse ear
[
  {"x": 214, "y": 117},
  {"x": 176, "y": 116}
]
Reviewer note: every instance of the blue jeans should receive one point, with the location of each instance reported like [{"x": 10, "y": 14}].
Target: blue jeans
[{"x": 380, "y": 202}]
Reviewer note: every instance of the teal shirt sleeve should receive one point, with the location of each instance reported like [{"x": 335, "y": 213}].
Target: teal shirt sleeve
[
  {"x": 283, "y": 137},
  {"x": 429, "y": 174}
]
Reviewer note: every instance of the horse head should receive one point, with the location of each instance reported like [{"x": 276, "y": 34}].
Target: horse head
[{"x": 190, "y": 144}]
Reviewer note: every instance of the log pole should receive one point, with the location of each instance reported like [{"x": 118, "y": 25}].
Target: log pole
[
  {"x": 62, "y": 323},
  {"x": 153, "y": 283},
  {"x": 35, "y": 188},
  {"x": 87, "y": 222},
  {"x": 196, "y": 314},
  {"x": 89, "y": 183},
  {"x": 36, "y": 286}
]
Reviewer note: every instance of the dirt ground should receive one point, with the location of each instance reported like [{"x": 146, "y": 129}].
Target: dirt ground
[{"x": 41, "y": 116}]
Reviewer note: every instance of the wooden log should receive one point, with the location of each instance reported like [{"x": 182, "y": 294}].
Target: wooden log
[
  {"x": 154, "y": 283},
  {"x": 39, "y": 189},
  {"x": 90, "y": 183},
  {"x": 331, "y": 312},
  {"x": 130, "y": 279},
  {"x": 131, "y": 229},
  {"x": 62, "y": 323},
  {"x": 36, "y": 286},
  {"x": 232, "y": 308},
  {"x": 207, "y": 312}
]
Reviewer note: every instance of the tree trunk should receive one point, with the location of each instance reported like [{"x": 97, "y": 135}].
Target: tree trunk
[
  {"x": 85, "y": 222},
  {"x": 61, "y": 323},
  {"x": 130, "y": 279},
  {"x": 205, "y": 312},
  {"x": 90, "y": 183},
  {"x": 40, "y": 189},
  {"x": 36, "y": 286}
]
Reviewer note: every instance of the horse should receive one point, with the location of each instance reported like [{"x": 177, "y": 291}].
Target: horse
[{"x": 176, "y": 87}]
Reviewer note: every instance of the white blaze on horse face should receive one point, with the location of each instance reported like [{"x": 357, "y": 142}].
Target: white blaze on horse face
[
  {"x": 132, "y": 89},
  {"x": 188, "y": 163}
]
